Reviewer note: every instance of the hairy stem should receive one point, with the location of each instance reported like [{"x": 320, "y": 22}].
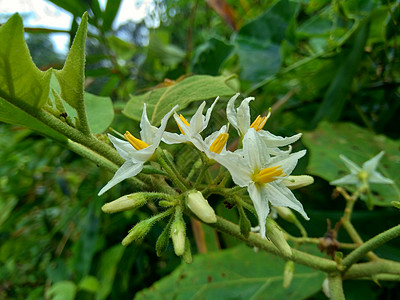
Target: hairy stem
[
  {"x": 371, "y": 244},
  {"x": 336, "y": 287}
]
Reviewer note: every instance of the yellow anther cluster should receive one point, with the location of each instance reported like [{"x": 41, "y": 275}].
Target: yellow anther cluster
[
  {"x": 136, "y": 143},
  {"x": 268, "y": 174},
  {"x": 219, "y": 143},
  {"x": 184, "y": 122}
]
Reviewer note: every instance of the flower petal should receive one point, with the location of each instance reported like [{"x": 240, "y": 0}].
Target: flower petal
[
  {"x": 260, "y": 202},
  {"x": 208, "y": 115},
  {"x": 272, "y": 140},
  {"x": 353, "y": 168},
  {"x": 348, "y": 179},
  {"x": 147, "y": 130},
  {"x": 123, "y": 147},
  {"x": 231, "y": 113},
  {"x": 279, "y": 195},
  {"x": 243, "y": 116},
  {"x": 254, "y": 150},
  {"x": 370, "y": 165},
  {"x": 127, "y": 170}
]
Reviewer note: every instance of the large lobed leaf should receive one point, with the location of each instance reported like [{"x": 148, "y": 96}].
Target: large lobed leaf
[
  {"x": 328, "y": 141},
  {"x": 236, "y": 273},
  {"x": 160, "y": 100},
  {"x": 20, "y": 80}
]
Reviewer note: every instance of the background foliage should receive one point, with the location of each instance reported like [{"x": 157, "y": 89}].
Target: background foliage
[{"x": 328, "y": 68}]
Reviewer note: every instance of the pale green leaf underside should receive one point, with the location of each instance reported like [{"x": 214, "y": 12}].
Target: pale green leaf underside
[
  {"x": 328, "y": 141},
  {"x": 159, "y": 101},
  {"x": 20, "y": 80},
  {"x": 236, "y": 273}
]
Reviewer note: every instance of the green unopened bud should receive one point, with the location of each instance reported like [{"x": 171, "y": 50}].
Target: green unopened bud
[
  {"x": 200, "y": 207},
  {"x": 286, "y": 214},
  {"x": 297, "y": 181},
  {"x": 162, "y": 241},
  {"x": 178, "y": 232},
  {"x": 137, "y": 232},
  {"x": 187, "y": 255},
  {"x": 142, "y": 228},
  {"x": 288, "y": 273},
  {"x": 275, "y": 234},
  {"x": 125, "y": 203}
]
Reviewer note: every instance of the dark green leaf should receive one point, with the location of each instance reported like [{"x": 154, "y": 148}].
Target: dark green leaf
[
  {"x": 160, "y": 100},
  {"x": 259, "y": 41},
  {"x": 110, "y": 12},
  {"x": 237, "y": 273},
  {"x": 209, "y": 57},
  {"x": 337, "y": 93}
]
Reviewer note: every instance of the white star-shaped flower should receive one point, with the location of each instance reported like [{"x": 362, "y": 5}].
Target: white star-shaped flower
[
  {"x": 190, "y": 132},
  {"x": 137, "y": 151},
  {"x": 361, "y": 176},
  {"x": 263, "y": 175},
  {"x": 240, "y": 119}
]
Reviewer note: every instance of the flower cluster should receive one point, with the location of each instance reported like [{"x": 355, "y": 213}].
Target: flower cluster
[{"x": 260, "y": 165}]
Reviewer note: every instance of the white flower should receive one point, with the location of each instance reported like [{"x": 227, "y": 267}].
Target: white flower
[
  {"x": 240, "y": 119},
  {"x": 362, "y": 176},
  {"x": 135, "y": 151},
  {"x": 190, "y": 132},
  {"x": 263, "y": 175}
]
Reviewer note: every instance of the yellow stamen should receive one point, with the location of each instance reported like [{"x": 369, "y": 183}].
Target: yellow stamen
[
  {"x": 184, "y": 122},
  {"x": 260, "y": 122},
  {"x": 219, "y": 143},
  {"x": 136, "y": 143},
  {"x": 268, "y": 174}
]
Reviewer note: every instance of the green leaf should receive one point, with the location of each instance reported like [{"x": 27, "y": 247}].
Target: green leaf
[
  {"x": 90, "y": 284},
  {"x": 72, "y": 75},
  {"x": 62, "y": 290},
  {"x": 328, "y": 141},
  {"x": 209, "y": 56},
  {"x": 122, "y": 49},
  {"x": 21, "y": 82},
  {"x": 100, "y": 110},
  {"x": 336, "y": 95},
  {"x": 159, "y": 101},
  {"x": 259, "y": 41},
  {"x": 236, "y": 273},
  {"x": 110, "y": 12},
  {"x": 108, "y": 268}
]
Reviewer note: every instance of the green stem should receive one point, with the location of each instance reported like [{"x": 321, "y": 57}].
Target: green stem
[
  {"x": 201, "y": 175},
  {"x": 356, "y": 237},
  {"x": 336, "y": 287},
  {"x": 371, "y": 244},
  {"x": 75, "y": 135},
  {"x": 373, "y": 268},
  {"x": 255, "y": 240},
  {"x": 176, "y": 178},
  {"x": 101, "y": 161}
]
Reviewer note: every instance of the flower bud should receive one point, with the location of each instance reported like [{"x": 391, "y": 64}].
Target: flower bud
[
  {"x": 286, "y": 214},
  {"x": 125, "y": 203},
  {"x": 200, "y": 207},
  {"x": 187, "y": 255},
  {"x": 137, "y": 232},
  {"x": 326, "y": 289},
  {"x": 297, "y": 181},
  {"x": 178, "y": 232},
  {"x": 275, "y": 234},
  {"x": 288, "y": 273},
  {"x": 142, "y": 228}
]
